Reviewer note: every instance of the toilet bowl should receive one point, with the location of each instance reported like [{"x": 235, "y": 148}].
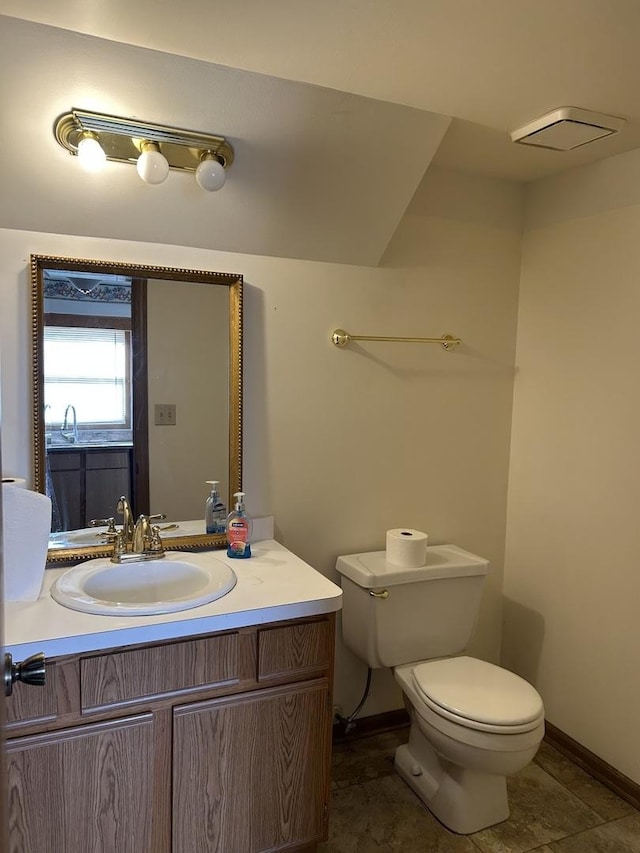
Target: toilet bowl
[{"x": 472, "y": 723}]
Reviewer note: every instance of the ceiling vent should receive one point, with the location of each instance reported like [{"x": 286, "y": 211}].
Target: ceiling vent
[{"x": 567, "y": 128}]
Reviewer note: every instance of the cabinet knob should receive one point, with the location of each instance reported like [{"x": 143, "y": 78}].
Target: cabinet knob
[{"x": 29, "y": 671}]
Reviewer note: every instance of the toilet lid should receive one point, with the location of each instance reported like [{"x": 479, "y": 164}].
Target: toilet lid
[{"x": 474, "y": 690}]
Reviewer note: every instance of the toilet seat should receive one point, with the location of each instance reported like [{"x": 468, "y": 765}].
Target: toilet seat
[{"x": 478, "y": 695}]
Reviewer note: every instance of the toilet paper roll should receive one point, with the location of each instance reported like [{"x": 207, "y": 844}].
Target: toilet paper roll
[
  {"x": 406, "y": 548},
  {"x": 26, "y": 528},
  {"x": 18, "y": 482}
]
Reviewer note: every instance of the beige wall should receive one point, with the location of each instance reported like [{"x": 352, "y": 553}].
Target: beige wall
[
  {"x": 341, "y": 445},
  {"x": 572, "y": 583},
  {"x": 188, "y": 365}
]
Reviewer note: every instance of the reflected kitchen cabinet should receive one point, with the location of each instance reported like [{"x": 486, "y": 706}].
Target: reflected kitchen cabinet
[
  {"x": 86, "y": 483},
  {"x": 108, "y": 474}
]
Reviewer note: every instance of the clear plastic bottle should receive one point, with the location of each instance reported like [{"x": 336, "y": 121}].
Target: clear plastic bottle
[
  {"x": 239, "y": 528},
  {"x": 215, "y": 512}
]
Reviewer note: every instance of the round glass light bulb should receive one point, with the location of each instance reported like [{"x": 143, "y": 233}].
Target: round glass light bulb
[
  {"x": 152, "y": 166},
  {"x": 91, "y": 154},
  {"x": 210, "y": 174}
]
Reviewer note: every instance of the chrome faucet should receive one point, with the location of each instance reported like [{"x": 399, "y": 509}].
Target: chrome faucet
[{"x": 72, "y": 437}]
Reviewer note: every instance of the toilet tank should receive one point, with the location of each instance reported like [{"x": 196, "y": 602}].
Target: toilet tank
[{"x": 429, "y": 612}]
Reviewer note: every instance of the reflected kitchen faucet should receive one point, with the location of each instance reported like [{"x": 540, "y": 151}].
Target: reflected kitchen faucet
[{"x": 71, "y": 437}]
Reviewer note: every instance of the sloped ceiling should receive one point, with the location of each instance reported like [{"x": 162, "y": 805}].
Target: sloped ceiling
[
  {"x": 318, "y": 174},
  {"x": 495, "y": 62},
  {"x": 321, "y": 172}
]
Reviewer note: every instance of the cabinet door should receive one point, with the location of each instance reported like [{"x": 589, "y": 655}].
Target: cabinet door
[
  {"x": 84, "y": 789},
  {"x": 251, "y": 773},
  {"x": 108, "y": 475},
  {"x": 67, "y": 480}
]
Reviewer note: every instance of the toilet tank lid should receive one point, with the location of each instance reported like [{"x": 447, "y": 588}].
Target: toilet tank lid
[{"x": 371, "y": 570}]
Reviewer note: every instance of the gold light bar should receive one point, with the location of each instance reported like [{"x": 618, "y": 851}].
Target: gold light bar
[
  {"x": 122, "y": 138},
  {"x": 341, "y": 338}
]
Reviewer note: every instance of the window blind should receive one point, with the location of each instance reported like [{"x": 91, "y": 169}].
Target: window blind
[{"x": 88, "y": 369}]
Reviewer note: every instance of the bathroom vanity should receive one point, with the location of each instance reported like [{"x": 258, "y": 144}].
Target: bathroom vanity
[{"x": 204, "y": 730}]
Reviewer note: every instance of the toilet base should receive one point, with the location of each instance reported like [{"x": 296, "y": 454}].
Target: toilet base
[{"x": 465, "y": 801}]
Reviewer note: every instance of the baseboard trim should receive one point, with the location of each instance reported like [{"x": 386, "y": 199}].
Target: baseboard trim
[
  {"x": 373, "y": 725},
  {"x": 594, "y": 766}
]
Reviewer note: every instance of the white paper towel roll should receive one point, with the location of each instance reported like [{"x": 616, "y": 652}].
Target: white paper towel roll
[
  {"x": 19, "y": 482},
  {"x": 406, "y": 548},
  {"x": 26, "y": 528}
]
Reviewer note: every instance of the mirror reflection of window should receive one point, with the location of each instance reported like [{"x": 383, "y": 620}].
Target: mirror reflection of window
[
  {"x": 87, "y": 357},
  {"x": 87, "y": 368}
]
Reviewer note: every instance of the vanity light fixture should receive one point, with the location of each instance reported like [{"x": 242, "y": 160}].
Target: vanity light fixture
[{"x": 153, "y": 148}]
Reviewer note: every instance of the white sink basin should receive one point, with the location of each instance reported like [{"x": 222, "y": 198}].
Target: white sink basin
[{"x": 177, "y": 581}]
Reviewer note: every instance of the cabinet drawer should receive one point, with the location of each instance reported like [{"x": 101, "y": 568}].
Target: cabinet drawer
[
  {"x": 97, "y": 459},
  {"x": 294, "y": 649},
  {"x": 64, "y": 461},
  {"x": 127, "y": 677}
]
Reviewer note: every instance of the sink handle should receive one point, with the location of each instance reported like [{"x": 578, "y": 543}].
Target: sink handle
[
  {"x": 119, "y": 546},
  {"x": 110, "y": 523},
  {"x": 156, "y": 542}
]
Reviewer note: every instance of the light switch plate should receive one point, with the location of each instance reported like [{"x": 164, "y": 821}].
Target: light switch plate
[{"x": 165, "y": 414}]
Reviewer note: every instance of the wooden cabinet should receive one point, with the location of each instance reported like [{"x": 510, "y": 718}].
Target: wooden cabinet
[
  {"x": 67, "y": 482},
  {"x": 249, "y": 774},
  {"x": 85, "y": 788},
  {"x": 217, "y": 743},
  {"x": 87, "y": 482},
  {"x": 107, "y": 476}
]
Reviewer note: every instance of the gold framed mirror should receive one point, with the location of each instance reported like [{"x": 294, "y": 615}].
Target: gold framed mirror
[{"x": 137, "y": 391}]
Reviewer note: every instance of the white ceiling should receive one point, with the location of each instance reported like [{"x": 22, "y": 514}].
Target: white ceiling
[{"x": 491, "y": 65}]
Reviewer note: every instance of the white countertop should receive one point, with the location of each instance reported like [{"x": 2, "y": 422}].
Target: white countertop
[{"x": 272, "y": 585}]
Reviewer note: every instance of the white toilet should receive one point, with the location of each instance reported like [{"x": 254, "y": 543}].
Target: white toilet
[{"x": 472, "y": 723}]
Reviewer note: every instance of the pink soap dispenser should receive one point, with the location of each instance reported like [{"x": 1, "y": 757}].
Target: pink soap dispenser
[{"x": 239, "y": 530}]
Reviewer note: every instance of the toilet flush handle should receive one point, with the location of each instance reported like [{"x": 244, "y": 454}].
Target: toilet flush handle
[{"x": 384, "y": 593}]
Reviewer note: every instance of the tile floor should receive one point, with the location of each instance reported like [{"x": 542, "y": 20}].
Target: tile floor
[{"x": 555, "y": 808}]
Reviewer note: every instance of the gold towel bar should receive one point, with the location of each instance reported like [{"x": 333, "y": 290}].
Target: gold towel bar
[{"x": 341, "y": 338}]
